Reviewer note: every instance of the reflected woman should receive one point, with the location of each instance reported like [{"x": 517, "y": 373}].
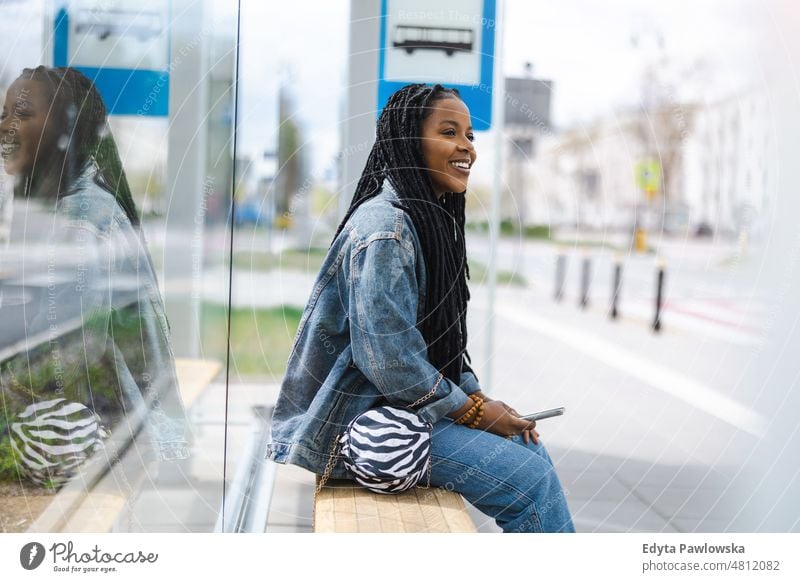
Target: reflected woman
[{"x": 96, "y": 374}]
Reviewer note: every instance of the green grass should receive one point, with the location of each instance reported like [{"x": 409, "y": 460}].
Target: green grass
[
  {"x": 589, "y": 244},
  {"x": 509, "y": 228},
  {"x": 9, "y": 470},
  {"x": 479, "y": 275},
  {"x": 261, "y": 339},
  {"x": 308, "y": 260}
]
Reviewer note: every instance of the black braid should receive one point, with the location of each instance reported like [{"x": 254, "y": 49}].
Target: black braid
[
  {"x": 439, "y": 224},
  {"x": 80, "y": 117}
]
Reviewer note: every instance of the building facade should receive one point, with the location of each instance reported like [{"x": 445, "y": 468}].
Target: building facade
[{"x": 709, "y": 167}]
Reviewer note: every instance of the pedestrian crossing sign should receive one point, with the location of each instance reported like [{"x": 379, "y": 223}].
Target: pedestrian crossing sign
[{"x": 648, "y": 177}]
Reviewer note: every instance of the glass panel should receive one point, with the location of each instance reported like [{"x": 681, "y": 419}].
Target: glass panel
[
  {"x": 117, "y": 170},
  {"x": 287, "y": 162}
]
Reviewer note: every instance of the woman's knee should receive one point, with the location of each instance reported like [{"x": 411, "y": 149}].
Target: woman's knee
[
  {"x": 537, "y": 479},
  {"x": 537, "y": 448},
  {"x": 542, "y": 505}
]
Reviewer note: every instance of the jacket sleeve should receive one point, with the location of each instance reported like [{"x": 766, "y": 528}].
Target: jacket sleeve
[
  {"x": 469, "y": 382},
  {"x": 387, "y": 346}
]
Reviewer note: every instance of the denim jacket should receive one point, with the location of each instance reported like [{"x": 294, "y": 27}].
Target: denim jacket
[
  {"x": 97, "y": 332},
  {"x": 358, "y": 345}
]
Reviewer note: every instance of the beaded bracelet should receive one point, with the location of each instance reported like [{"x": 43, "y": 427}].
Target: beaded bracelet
[
  {"x": 471, "y": 413},
  {"x": 467, "y": 416},
  {"x": 477, "y": 421}
]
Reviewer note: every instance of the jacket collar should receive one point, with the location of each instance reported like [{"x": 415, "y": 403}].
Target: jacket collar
[{"x": 389, "y": 190}]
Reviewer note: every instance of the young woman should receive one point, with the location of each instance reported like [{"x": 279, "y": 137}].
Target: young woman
[
  {"x": 386, "y": 323},
  {"x": 97, "y": 372}
]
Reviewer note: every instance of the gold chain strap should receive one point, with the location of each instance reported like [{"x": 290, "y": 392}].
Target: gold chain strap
[
  {"x": 417, "y": 403},
  {"x": 333, "y": 456},
  {"x": 430, "y": 468},
  {"x": 429, "y": 394}
]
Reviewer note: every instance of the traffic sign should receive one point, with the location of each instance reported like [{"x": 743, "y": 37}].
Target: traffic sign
[
  {"x": 648, "y": 176},
  {"x": 451, "y": 42},
  {"x": 122, "y": 46}
]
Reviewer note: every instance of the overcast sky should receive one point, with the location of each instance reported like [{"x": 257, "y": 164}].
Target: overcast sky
[{"x": 583, "y": 46}]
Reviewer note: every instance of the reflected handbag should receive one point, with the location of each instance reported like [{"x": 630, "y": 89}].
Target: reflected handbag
[
  {"x": 53, "y": 438},
  {"x": 387, "y": 449}
]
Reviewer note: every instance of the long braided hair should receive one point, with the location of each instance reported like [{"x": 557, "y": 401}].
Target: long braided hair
[
  {"x": 439, "y": 224},
  {"x": 78, "y": 117}
]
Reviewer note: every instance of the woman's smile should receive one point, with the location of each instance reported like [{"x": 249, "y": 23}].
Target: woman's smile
[
  {"x": 9, "y": 149},
  {"x": 462, "y": 166}
]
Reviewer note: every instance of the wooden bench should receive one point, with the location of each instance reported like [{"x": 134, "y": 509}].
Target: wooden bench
[
  {"x": 74, "y": 509},
  {"x": 344, "y": 507}
]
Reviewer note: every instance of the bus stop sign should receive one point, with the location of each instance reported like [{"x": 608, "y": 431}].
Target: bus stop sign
[{"x": 451, "y": 44}]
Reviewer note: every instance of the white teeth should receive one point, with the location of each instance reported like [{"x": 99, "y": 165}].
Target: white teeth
[{"x": 464, "y": 165}]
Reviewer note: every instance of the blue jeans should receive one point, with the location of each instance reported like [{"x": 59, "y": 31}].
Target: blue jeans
[{"x": 514, "y": 483}]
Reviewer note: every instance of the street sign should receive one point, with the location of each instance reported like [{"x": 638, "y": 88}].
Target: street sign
[
  {"x": 648, "y": 176},
  {"x": 452, "y": 44},
  {"x": 122, "y": 46}
]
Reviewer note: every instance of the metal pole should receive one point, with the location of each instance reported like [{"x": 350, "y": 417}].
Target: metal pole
[
  {"x": 561, "y": 270},
  {"x": 659, "y": 296},
  {"x": 585, "y": 273},
  {"x": 186, "y": 177},
  {"x": 616, "y": 288},
  {"x": 498, "y": 119},
  {"x": 358, "y": 128}
]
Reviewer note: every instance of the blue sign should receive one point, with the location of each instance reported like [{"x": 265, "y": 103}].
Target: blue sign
[
  {"x": 451, "y": 44},
  {"x": 124, "y": 52}
]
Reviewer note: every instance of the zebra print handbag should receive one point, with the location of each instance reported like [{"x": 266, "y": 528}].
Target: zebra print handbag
[
  {"x": 53, "y": 438},
  {"x": 387, "y": 449}
]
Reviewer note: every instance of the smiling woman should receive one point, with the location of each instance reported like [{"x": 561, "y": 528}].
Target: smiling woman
[{"x": 385, "y": 335}]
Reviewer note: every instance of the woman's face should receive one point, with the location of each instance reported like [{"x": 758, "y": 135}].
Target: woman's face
[
  {"x": 25, "y": 138},
  {"x": 447, "y": 145}
]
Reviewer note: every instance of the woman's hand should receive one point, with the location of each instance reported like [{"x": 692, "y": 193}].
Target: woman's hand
[
  {"x": 528, "y": 434},
  {"x": 499, "y": 418}
]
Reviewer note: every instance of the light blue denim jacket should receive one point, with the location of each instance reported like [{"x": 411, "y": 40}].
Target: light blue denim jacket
[{"x": 358, "y": 345}]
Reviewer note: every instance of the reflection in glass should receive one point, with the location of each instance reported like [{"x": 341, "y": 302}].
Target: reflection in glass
[{"x": 86, "y": 369}]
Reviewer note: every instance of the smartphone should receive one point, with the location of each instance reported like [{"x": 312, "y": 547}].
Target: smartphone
[{"x": 544, "y": 414}]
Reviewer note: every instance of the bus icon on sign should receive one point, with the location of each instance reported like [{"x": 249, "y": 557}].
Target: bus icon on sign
[
  {"x": 449, "y": 40},
  {"x": 107, "y": 23}
]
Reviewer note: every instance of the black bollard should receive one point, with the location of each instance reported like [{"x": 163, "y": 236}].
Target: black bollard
[
  {"x": 659, "y": 296},
  {"x": 616, "y": 289},
  {"x": 585, "y": 272},
  {"x": 561, "y": 269}
]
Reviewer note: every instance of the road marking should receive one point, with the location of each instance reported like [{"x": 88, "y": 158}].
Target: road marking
[{"x": 677, "y": 385}]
